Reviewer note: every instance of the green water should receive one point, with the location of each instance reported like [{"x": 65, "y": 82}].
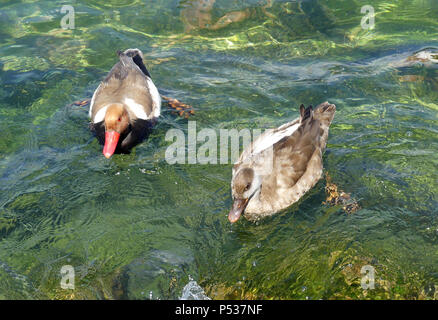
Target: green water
[{"x": 137, "y": 227}]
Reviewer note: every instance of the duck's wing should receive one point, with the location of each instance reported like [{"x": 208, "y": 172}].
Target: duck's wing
[
  {"x": 289, "y": 148},
  {"x": 299, "y": 156},
  {"x": 268, "y": 138},
  {"x": 126, "y": 83},
  {"x": 293, "y": 153},
  {"x": 259, "y": 153}
]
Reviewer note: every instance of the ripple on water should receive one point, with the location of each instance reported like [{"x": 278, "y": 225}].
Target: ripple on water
[{"x": 139, "y": 224}]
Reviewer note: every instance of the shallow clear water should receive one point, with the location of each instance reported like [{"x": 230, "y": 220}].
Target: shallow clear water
[{"x": 137, "y": 227}]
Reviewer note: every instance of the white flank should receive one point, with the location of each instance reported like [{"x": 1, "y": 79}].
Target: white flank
[
  {"x": 92, "y": 102},
  {"x": 156, "y": 99},
  {"x": 100, "y": 115},
  {"x": 136, "y": 108}
]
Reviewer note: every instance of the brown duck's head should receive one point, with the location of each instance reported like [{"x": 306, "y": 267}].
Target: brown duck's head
[
  {"x": 116, "y": 122},
  {"x": 245, "y": 184}
]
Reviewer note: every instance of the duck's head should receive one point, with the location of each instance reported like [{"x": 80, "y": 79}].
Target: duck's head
[
  {"x": 245, "y": 184},
  {"x": 116, "y": 122}
]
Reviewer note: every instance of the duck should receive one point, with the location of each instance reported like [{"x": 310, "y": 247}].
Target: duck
[
  {"x": 281, "y": 165},
  {"x": 126, "y": 104}
]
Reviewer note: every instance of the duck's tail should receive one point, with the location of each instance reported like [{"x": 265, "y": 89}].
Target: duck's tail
[
  {"x": 136, "y": 56},
  {"x": 306, "y": 113},
  {"x": 324, "y": 113}
]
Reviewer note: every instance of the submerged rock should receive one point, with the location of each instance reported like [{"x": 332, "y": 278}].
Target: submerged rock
[
  {"x": 192, "y": 291},
  {"x": 156, "y": 275}
]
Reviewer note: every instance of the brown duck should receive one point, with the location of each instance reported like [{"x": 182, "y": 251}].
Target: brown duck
[
  {"x": 281, "y": 165},
  {"x": 125, "y": 105}
]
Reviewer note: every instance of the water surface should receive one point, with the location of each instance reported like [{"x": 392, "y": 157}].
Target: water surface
[{"x": 137, "y": 227}]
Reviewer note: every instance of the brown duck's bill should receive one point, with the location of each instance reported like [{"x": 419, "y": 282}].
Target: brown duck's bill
[
  {"x": 237, "y": 209},
  {"x": 111, "y": 140}
]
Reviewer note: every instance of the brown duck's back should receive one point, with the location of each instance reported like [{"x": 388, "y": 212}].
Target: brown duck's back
[
  {"x": 293, "y": 153},
  {"x": 124, "y": 81},
  {"x": 297, "y": 163}
]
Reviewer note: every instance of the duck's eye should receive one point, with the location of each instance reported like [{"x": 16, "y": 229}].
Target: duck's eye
[
  {"x": 120, "y": 119},
  {"x": 247, "y": 187}
]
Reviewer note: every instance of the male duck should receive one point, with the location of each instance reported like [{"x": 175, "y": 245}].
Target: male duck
[
  {"x": 125, "y": 105},
  {"x": 281, "y": 165}
]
